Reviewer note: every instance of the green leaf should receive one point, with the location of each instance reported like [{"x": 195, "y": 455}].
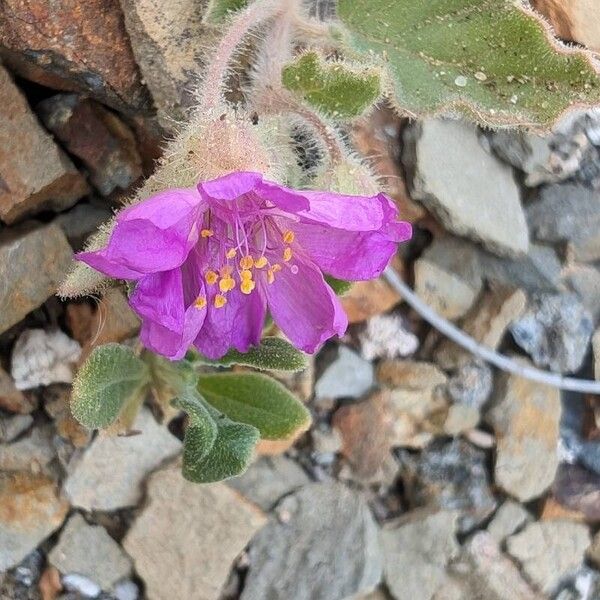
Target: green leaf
[
  {"x": 273, "y": 354},
  {"x": 339, "y": 286},
  {"x": 486, "y": 58},
  {"x": 217, "y": 11},
  {"x": 257, "y": 400},
  {"x": 214, "y": 447},
  {"x": 337, "y": 88},
  {"x": 110, "y": 378}
]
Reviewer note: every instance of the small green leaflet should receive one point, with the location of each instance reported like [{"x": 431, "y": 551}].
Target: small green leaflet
[{"x": 217, "y": 11}]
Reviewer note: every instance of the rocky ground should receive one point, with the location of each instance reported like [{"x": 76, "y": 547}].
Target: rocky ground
[{"x": 427, "y": 475}]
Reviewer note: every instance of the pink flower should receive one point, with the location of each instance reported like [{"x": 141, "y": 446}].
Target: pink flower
[{"x": 209, "y": 261}]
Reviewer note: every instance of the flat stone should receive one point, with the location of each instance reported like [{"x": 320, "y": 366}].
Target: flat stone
[
  {"x": 81, "y": 221},
  {"x": 568, "y": 213},
  {"x": 448, "y": 277},
  {"x": 30, "y": 510},
  {"x": 13, "y": 426},
  {"x": 471, "y": 385},
  {"x": 94, "y": 483},
  {"x": 584, "y": 280},
  {"x": 269, "y": 479},
  {"x": 186, "y": 538},
  {"x": 460, "y": 418},
  {"x": 12, "y": 399},
  {"x": 103, "y": 561},
  {"x": 54, "y": 183},
  {"x": 369, "y": 298},
  {"x": 328, "y": 553},
  {"x": 483, "y": 203},
  {"x": 20, "y": 247},
  {"x": 555, "y": 331},
  {"x": 549, "y": 550},
  {"x": 33, "y": 452},
  {"x": 525, "y": 416},
  {"x": 348, "y": 376},
  {"x": 510, "y": 517},
  {"x": 410, "y": 374},
  {"x": 578, "y": 490},
  {"x": 94, "y": 58},
  {"x": 417, "y": 550},
  {"x": 387, "y": 336},
  {"x": 103, "y": 143}
]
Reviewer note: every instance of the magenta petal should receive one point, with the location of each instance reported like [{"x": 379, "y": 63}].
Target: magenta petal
[
  {"x": 250, "y": 319},
  {"x": 230, "y": 186},
  {"x": 286, "y": 199},
  {"x": 305, "y": 307},
  {"x": 98, "y": 261}
]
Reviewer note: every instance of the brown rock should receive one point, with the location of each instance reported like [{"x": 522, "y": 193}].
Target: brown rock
[
  {"x": 49, "y": 584},
  {"x": 104, "y": 144},
  {"x": 30, "y": 510},
  {"x": 187, "y": 537},
  {"x": 57, "y": 398},
  {"x": 578, "y": 489},
  {"x": 45, "y": 250},
  {"x": 12, "y": 399},
  {"x": 369, "y": 298},
  {"x": 410, "y": 374},
  {"x": 72, "y": 46},
  {"x": 553, "y": 510},
  {"x": 34, "y": 173}
]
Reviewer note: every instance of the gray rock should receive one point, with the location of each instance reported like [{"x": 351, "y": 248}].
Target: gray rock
[
  {"x": 555, "y": 331},
  {"x": 510, "y": 517},
  {"x": 549, "y": 550},
  {"x": 325, "y": 545},
  {"x": 12, "y": 427},
  {"x": 387, "y": 336},
  {"x": 568, "y": 213},
  {"x": 583, "y": 585},
  {"x": 187, "y": 536},
  {"x": 584, "y": 280},
  {"x": 450, "y": 476},
  {"x": 269, "y": 479},
  {"x": 95, "y": 484},
  {"x": 471, "y": 385},
  {"x": 81, "y": 221},
  {"x": 80, "y": 584},
  {"x": 416, "y": 551},
  {"x": 483, "y": 203},
  {"x": 348, "y": 376},
  {"x": 33, "y": 452},
  {"x": 88, "y": 550}
]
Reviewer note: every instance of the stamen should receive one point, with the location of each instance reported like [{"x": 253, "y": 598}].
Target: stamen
[
  {"x": 200, "y": 302},
  {"x": 220, "y": 301},
  {"x": 247, "y": 286},
  {"x": 231, "y": 253},
  {"x": 288, "y": 237},
  {"x": 270, "y": 276},
  {"x": 247, "y": 262},
  {"x": 261, "y": 262},
  {"x": 287, "y": 254},
  {"x": 211, "y": 277},
  {"x": 226, "y": 284},
  {"x": 206, "y": 233},
  {"x": 276, "y": 268},
  {"x": 245, "y": 275}
]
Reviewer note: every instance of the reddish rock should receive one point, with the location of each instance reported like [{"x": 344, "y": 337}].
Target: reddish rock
[
  {"x": 369, "y": 298},
  {"x": 12, "y": 399},
  {"x": 73, "y": 46},
  {"x": 95, "y": 135},
  {"x": 34, "y": 173}
]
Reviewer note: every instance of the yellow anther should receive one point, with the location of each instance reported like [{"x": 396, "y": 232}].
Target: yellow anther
[
  {"x": 231, "y": 253},
  {"x": 287, "y": 254},
  {"x": 288, "y": 237},
  {"x": 200, "y": 302},
  {"x": 247, "y": 262},
  {"x": 207, "y": 233},
  {"x": 226, "y": 271},
  {"x": 211, "y": 277},
  {"x": 247, "y": 286},
  {"x": 270, "y": 276},
  {"x": 245, "y": 275},
  {"x": 226, "y": 284},
  {"x": 276, "y": 268},
  {"x": 261, "y": 262},
  {"x": 220, "y": 301}
]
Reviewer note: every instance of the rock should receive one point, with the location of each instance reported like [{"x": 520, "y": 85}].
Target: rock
[
  {"x": 126, "y": 590},
  {"x": 54, "y": 183},
  {"x": 483, "y": 203},
  {"x": 471, "y": 385},
  {"x": 326, "y": 443},
  {"x": 417, "y": 550},
  {"x": 525, "y": 416},
  {"x": 12, "y": 399},
  {"x": 95, "y": 57},
  {"x": 348, "y": 376},
  {"x": 93, "y": 482},
  {"x": 486, "y": 322},
  {"x": 584, "y": 584},
  {"x": 368, "y": 434},
  {"x": 555, "y": 331},
  {"x": 103, "y": 560},
  {"x": 30, "y": 510},
  {"x": 450, "y": 475},
  {"x": 269, "y": 479},
  {"x": 20, "y": 247},
  {"x": 387, "y": 336},
  {"x": 81, "y": 585},
  {"x": 593, "y": 552},
  {"x": 81, "y": 221},
  {"x": 578, "y": 489},
  {"x": 596, "y": 349},
  {"x": 97, "y": 137},
  {"x": 329, "y": 553},
  {"x": 448, "y": 277},
  {"x": 12, "y": 427},
  {"x": 568, "y": 213},
  {"x": 368, "y": 298},
  {"x": 550, "y": 550},
  {"x": 410, "y": 374},
  {"x": 185, "y": 525},
  {"x": 31, "y": 453},
  {"x": 584, "y": 280},
  {"x": 43, "y": 357},
  {"x": 57, "y": 405},
  {"x": 509, "y": 518},
  {"x": 167, "y": 43},
  {"x": 460, "y": 418}
]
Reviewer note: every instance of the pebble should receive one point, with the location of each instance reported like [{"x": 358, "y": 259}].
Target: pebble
[
  {"x": 348, "y": 376},
  {"x": 509, "y": 518},
  {"x": 387, "y": 336}
]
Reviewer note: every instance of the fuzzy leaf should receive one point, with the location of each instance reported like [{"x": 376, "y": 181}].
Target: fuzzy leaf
[
  {"x": 217, "y": 11},
  {"x": 110, "y": 379},
  {"x": 336, "y": 88},
  {"x": 214, "y": 447},
  {"x": 490, "y": 59},
  {"x": 257, "y": 400},
  {"x": 339, "y": 286}
]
